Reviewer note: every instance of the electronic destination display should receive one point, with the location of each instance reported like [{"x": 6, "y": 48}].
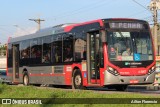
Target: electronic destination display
[{"x": 126, "y": 25}]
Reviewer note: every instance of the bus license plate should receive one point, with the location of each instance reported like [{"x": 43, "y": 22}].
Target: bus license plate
[{"x": 133, "y": 81}]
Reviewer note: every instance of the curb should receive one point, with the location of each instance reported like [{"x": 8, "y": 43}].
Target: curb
[
  {"x": 153, "y": 88},
  {"x": 145, "y": 87}
]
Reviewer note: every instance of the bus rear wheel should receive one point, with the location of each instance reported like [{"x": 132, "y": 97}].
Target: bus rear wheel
[
  {"x": 25, "y": 80},
  {"x": 77, "y": 80}
]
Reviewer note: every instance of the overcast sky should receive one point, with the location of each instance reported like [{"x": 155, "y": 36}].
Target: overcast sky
[{"x": 14, "y": 14}]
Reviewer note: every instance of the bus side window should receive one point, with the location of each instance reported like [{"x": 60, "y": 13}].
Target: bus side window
[
  {"x": 53, "y": 50},
  {"x": 24, "y": 49},
  {"x": 24, "y": 52},
  {"x": 80, "y": 47},
  {"x": 46, "y": 50},
  {"x": 56, "y": 49},
  {"x": 33, "y": 43},
  {"x": 68, "y": 48},
  {"x": 35, "y": 51}
]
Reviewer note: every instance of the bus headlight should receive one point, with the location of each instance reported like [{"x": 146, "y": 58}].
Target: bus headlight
[
  {"x": 151, "y": 70},
  {"x": 113, "y": 71}
]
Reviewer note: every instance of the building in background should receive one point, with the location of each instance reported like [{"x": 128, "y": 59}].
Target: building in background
[
  {"x": 3, "y": 62},
  {"x": 3, "y": 50}
]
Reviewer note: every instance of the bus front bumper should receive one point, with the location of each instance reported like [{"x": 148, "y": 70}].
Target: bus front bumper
[{"x": 110, "y": 79}]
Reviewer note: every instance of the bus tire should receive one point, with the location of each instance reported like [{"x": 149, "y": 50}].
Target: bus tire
[
  {"x": 121, "y": 87},
  {"x": 25, "y": 80},
  {"x": 77, "y": 82}
]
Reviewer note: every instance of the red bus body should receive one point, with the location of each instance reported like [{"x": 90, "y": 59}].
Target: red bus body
[{"x": 89, "y": 71}]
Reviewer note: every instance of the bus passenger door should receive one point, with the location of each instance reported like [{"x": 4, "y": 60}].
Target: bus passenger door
[
  {"x": 15, "y": 62},
  {"x": 93, "y": 57}
]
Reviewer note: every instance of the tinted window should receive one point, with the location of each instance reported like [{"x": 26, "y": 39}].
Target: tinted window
[
  {"x": 25, "y": 49},
  {"x": 9, "y": 55},
  {"x": 46, "y": 49},
  {"x": 24, "y": 53},
  {"x": 67, "y": 48},
  {"x": 36, "y": 51},
  {"x": 57, "y": 49}
]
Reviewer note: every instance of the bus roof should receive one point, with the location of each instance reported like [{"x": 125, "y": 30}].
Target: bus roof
[
  {"x": 43, "y": 32},
  {"x": 64, "y": 28}
]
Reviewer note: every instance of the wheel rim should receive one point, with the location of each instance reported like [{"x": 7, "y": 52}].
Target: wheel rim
[
  {"x": 25, "y": 80},
  {"x": 78, "y": 80}
]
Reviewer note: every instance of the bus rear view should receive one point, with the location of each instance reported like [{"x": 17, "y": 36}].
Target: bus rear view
[{"x": 130, "y": 53}]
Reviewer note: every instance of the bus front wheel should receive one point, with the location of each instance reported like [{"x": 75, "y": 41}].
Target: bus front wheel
[{"x": 25, "y": 80}]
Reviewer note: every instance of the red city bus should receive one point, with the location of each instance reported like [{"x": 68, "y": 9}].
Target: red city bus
[{"x": 109, "y": 53}]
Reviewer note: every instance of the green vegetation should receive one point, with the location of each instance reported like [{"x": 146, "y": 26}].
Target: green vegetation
[{"x": 13, "y": 91}]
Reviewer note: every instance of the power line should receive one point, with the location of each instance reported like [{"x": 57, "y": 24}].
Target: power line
[
  {"x": 135, "y": 14},
  {"x": 81, "y": 8},
  {"x": 5, "y": 30},
  {"x": 90, "y": 8},
  {"x": 84, "y": 7},
  {"x": 3, "y": 25},
  {"x": 149, "y": 17},
  {"x": 21, "y": 28},
  {"x": 3, "y": 38},
  {"x": 141, "y": 5},
  {"x": 77, "y": 11}
]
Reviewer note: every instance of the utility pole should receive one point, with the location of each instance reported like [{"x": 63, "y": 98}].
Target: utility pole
[
  {"x": 37, "y": 21},
  {"x": 154, "y": 9}
]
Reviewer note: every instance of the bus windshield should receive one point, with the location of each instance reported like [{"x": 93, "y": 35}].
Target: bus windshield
[{"x": 129, "y": 46}]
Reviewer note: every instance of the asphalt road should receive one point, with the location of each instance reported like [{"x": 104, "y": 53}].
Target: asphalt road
[
  {"x": 145, "y": 89},
  {"x": 142, "y": 89}
]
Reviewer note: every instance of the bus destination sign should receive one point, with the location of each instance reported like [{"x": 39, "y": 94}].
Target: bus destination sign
[{"x": 125, "y": 25}]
